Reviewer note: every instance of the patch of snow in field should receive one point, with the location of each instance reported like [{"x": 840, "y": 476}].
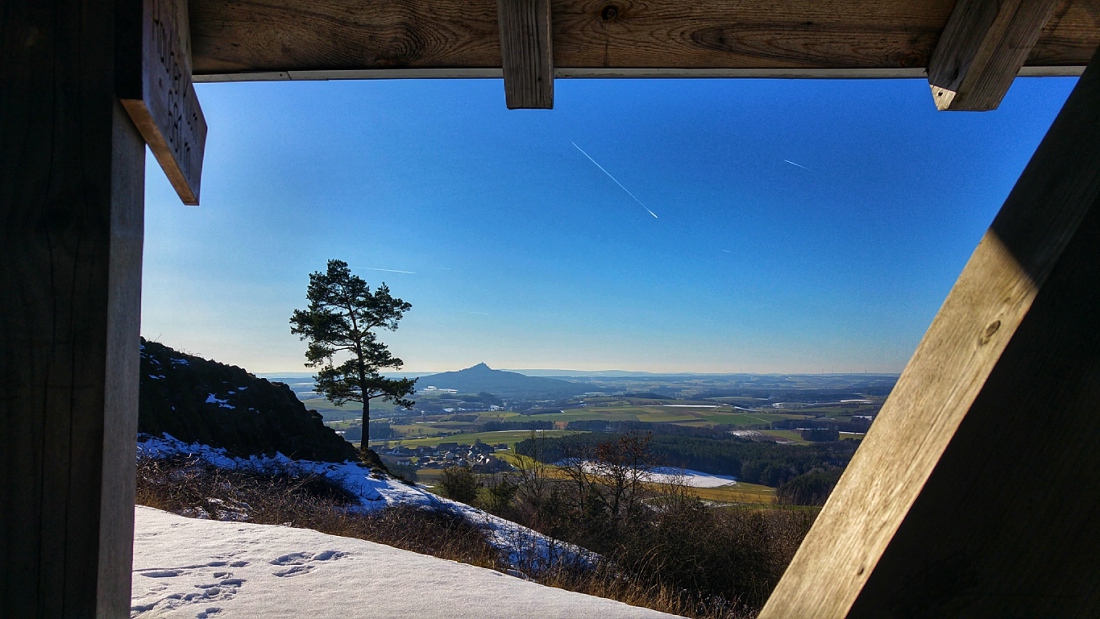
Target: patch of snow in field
[
  {"x": 200, "y": 568},
  {"x": 180, "y": 361},
  {"x": 668, "y": 475},
  {"x": 522, "y": 546},
  {"x": 695, "y": 479},
  {"x": 691, "y": 405}
]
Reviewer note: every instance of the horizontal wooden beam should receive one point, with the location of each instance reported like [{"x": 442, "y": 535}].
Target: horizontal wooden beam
[
  {"x": 287, "y": 36},
  {"x": 973, "y": 493},
  {"x": 983, "y": 47},
  {"x": 600, "y": 73},
  {"x": 527, "y": 53}
]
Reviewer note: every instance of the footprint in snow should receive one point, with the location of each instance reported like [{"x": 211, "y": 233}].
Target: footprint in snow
[
  {"x": 193, "y": 584},
  {"x": 298, "y": 563}
]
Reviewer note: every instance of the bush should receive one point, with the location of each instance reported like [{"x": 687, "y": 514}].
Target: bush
[{"x": 460, "y": 484}]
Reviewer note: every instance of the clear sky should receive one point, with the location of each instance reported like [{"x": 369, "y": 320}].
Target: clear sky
[{"x": 801, "y": 226}]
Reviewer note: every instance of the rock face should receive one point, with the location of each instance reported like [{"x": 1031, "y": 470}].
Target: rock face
[{"x": 220, "y": 405}]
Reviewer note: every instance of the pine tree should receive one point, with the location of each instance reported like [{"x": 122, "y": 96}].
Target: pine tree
[{"x": 340, "y": 321}]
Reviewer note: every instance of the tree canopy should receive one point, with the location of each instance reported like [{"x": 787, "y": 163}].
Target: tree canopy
[{"x": 340, "y": 326}]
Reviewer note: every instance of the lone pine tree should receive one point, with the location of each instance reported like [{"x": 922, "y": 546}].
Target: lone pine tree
[{"x": 340, "y": 321}]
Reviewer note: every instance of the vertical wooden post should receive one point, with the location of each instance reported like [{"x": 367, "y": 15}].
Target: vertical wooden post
[{"x": 72, "y": 170}]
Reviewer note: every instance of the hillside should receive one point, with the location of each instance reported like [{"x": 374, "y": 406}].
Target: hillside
[
  {"x": 504, "y": 384},
  {"x": 203, "y": 401}
]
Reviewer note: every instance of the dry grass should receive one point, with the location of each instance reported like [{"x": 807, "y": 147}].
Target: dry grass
[
  {"x": 662, "y": 567},
  {"x": 193, "y": 488}
]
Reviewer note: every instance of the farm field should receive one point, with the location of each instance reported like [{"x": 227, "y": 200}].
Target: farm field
[
  {"x": 509, "y": 437},
  {"x": 787, "y": 435}
]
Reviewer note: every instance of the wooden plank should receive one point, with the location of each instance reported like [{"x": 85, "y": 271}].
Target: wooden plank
[
  {"x": 72, "y": 170},
  {"x": 250, "y": 36},
  {"x": 154, "y": 84},
  {"x": 605, "y": 73},
  {"x": 1001, "y": 390},
  {"x": 983, "y": 47},
  {"x": 527, "y": 53}
]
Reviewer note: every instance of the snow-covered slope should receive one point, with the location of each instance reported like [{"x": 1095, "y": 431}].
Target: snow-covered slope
[
  {"x": 521, "y": 545},
  {"x": 185, "y": 567}
]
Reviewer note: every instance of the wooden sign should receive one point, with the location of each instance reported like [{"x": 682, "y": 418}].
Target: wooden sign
[{"x": 154, "y": 85}]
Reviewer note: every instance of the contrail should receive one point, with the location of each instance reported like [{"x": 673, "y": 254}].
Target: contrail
[
  {"x": 614, "y": 179},
  {"x": 798, "y": 165},
  {"x": 388, "y": 270}
]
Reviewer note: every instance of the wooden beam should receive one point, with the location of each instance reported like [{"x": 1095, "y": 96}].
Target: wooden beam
[
  {"x": 154, "y": 85},
  {"x": 527, "y": 53},
  {"x": 982, "y": 50},
  {"x": 72, "y": 168},
  {"x": 973, "y": 494},
  {"x": 258, "y": 36}
]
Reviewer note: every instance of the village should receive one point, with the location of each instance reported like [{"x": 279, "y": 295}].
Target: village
[{"x": 478, "y": 456}]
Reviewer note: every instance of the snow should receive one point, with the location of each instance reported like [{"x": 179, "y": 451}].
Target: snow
[
  {"x": 200, "y": 568},
  {"x": 522, "y": 546},
  {"x": 695, "y": 479},
  {"x": 668, "y": 475},
  {"x": 212, "y": 399}
]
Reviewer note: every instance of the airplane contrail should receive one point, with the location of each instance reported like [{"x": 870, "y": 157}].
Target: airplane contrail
[
  {"x": 388, "y": 270},
  {"x": 798, "y": 165},
  {"x": 614, "y": 179}
]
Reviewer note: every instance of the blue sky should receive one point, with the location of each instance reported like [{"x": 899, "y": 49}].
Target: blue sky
[{"x": 521, "y": 253}]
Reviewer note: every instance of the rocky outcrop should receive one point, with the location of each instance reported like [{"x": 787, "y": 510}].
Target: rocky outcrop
[{"x": 197, "y": 400}]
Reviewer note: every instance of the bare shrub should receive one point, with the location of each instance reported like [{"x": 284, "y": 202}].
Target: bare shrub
[{"x": 191, "y": 487}]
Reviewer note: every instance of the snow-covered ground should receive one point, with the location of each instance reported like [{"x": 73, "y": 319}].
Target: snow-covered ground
[
  {"x": 523, "y": 546},
  {"x": 695, "y": 479},
  {"x": 184, "y": 567},
  {"x": 669, "y": 475}
]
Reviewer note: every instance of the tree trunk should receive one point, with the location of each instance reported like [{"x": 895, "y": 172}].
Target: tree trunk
[{"x": 366, "y": 426}]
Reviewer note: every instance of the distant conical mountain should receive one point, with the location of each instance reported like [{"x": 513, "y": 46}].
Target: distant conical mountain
[{"x": 503, "y": 384}]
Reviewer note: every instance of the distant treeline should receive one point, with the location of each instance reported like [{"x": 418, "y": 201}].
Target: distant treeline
[
  {"x": 769, "y": 464},
  {"x": 799, "y": 395}
]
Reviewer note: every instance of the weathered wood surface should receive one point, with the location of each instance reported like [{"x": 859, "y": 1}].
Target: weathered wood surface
[
  {"x": 973, "y": 493},
  {"x": 527, "y": 54},
  {"x": 154, "y": 85},
  {"x": 982, "y": 48},
  {"x": 72, "y": 169},
  {"x": 256, "y": 36}
]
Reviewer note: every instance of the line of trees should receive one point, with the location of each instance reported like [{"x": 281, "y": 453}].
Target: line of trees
[
  {"x": 769, "y": 464},
  {"x": 725, "y": 561}
]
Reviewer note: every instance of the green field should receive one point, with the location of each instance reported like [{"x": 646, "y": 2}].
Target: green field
[
  {"x": 509, "y": 437},
  {"x": 788, "y": 435}
]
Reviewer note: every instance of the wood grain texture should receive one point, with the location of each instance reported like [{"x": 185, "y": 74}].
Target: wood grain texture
[
  {"x": 250, "y": 36},
  {"x": 982, "y": 48},
  {"x": 154, "y": 85},
  {"x": 71, "y": 192},
  {"x": 929, "y": 494},
  {"x": 527, "y": 54}
]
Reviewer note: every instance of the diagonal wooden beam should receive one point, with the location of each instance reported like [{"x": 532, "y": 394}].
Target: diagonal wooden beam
[
  {"x": 974, "y": 491},
  {"x": 527, "y": 53},
  {"x": 982, "y": 48}
]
